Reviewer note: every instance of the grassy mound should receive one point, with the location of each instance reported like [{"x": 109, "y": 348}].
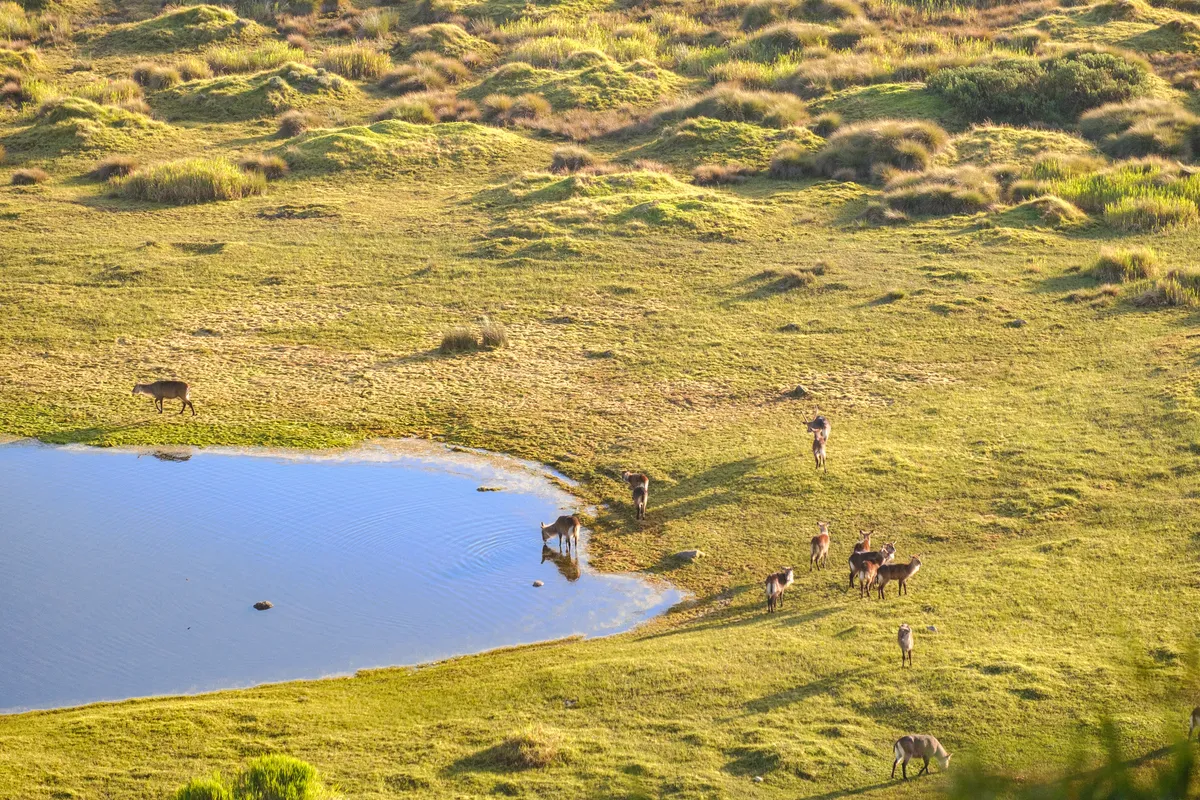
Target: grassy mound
[
  {"x": 194, "y": 180},
  {"x": 1054, "y": 89},
  {"x": 624, "y": 203},
  {"x": 186, "y": 28},
  {"x": 1145, "y": 127},
  {"x": 72, "y": 124},
  {"x": 599, "y": 85},
  {"x": 266, "y": 94},
  {"x": 447, "y": 39},
  {"x": 20, "y": 60},
  {"x": 782, "y": 38},
  {"x": 887, "y": 101},
  {"x": 393, "y": 145},
  {"x": 1047, "y": 210},
  {"x": 942, "y": 191},
  {"x": 866, "y": 151},
  {"x": 710, "y": 141},
  {"x": 985, "y": 145},
  {"x": 729, "y": 104}
]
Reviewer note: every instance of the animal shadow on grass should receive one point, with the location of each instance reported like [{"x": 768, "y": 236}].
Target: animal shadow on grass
[
  {"x": 737, "y": 617},
  {"x": 771, "y": 702},
  {"x": 848, "y": 792},
  {"x": 715, "y": 486}
]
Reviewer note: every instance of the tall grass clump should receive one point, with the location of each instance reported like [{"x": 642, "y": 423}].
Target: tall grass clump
[
  {"x": 730, "y": 104},
  {"x": 29, "y": 176},
  {"x": 427, "y": 108},
  {"x": 193, "y": 180},
  {"x": 20, "y": 90},
  {"x": 1143, "y": 127},
  {"x": 1145, "y": 195},
  {"x": 458, "y": 340},
  {"x": 869, "y": 150},
  {"x": 492, "y": 335},
  {"x": 1176, "y": 288},
  {"x": 427, "y": 71},
  {"x": 1057, "y": 88},
  {"x": 271, "y": 167},
  {"x": 229, "y": 59},
  {"x": 571, "y": 158},
  {"x": 294, "y": 122},
  {"x": 211, "y": 788},
  {"x": 156, "y": 76},
  {"x": 534, "y": 748},
  {"x": 111, "y": 92},
  {"x": 1141, "y": 214},
  {"x": 356, "y": 61},
  {"x": 278, "y": 777},
  {"x": 113, "y": 167},
  {"x": 376, "y": 23},
  {"x": 938, "y": 192},
  {"x": 1120, "y": 265},
  {"x": 721, "y": 174},
  {"x": 194, "y": 68},
  {"x": 781, "y": 39},
  {"x": 764, "y": 12}
]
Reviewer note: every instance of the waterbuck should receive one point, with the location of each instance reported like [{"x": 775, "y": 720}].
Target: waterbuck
[
  {"x": 916, "y": 745},
  {"x": 820, "y": 547},
  {"x": 864, "y": 541},
  {"x": 904, "y": 637},
  {"x": 819, "y": 450},
  {"x": 776, "y": 583},
  {"x": 878, "y": 557},
  {"x": 166, "y": 390},
  {"x": 565, "y": 526},
  {"x": 867, "y": 571},
  {"x": 639, "y": 484},
  {"x": 819, "y": 424},
  {"x": 899, "y": 573}
]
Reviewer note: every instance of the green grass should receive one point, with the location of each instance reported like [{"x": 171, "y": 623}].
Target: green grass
[
  {"x": 598, "y": 84},
  {"x": 1029, "y": 426}
]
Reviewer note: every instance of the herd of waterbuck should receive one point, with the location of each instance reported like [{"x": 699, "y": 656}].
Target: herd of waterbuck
[{"x": 873, "y": 568}]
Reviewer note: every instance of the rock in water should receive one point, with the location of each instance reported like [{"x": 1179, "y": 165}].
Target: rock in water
[
  {"x": 538, "y": 583},
  {"x": 263, "y": 605}
]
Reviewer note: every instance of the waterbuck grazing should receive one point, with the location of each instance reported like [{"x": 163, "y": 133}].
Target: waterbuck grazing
[
  {"x": 1195, "y": 721},
  {"x": 166, "y": 390},
  {"x": 639, "y": 484},
  {"x": 916, "y": 745},
  {"x": 776, "y": 583},
  {"x": 565, "y": 526},
  {"x": 878, "y": 557},
  {"x": 904, "y": 637},
  {"x": 819, "y": 450},
  {"x": 867, "y": 571},
  {"x": 820, "y": 547},
  {"x": 899, "y": 573}
]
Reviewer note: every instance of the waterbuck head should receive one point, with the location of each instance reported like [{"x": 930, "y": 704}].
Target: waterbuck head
[
  {"x": 823, "y": 528},
  {"x": 944, "y": 761},
  {"x": 889, "y": 551},
  {"x": 547, "y": 531},
  {"x": 139, "y": 388}
]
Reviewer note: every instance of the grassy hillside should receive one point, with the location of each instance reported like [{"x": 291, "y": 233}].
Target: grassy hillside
[{"x": 925, "y": 221}]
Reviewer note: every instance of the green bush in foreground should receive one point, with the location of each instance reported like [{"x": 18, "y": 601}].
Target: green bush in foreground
[
  {"x": 212, "y": 788},
  {"x": 194, "y": 180},
  {"x": 1143, "y": 195},
  {"x": 278, "y": 777},
  {"x": 1136, "y": 214}
]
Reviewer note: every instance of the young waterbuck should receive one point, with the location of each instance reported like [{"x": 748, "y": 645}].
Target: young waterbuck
[
  {"x": 639, "y": 484},
  {"x": 899, "y": 573},
  {"x": 565, "y": 526},
  {"x": 905, "y": 639},
  {"x": 166, "y": 390},
  {"x": 877, "y": 557},
  {"x": 916, "y": 745},
  {"x": 820, "y": 547},
  {"x": 819, "y": 424},
  {"x": 776, "y": 583},
  {"x": 867, "y": 571},
  {"x": 819, "y": 450}
]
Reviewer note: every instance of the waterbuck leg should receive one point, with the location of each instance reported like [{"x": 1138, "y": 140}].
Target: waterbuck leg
[{"x": 924, "y": 768}]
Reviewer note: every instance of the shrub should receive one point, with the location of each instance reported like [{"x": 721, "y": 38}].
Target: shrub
[
  {"x": 458, "y": 340},
  {"x": 226, "y": 59},
  {"x": 571, "y": 158},
  {"x": 212, "y": 788},
  {"x": 1151, "y": 213},
  {"x": 730, "y": 104},
  {"x": 1143, "y": 127},
  {"x": 356, "y": 61},
  {"x": 493, "y": 336},
  {"x": 271, "y": 167},
  {"x": 278, "y": 777},
  {"x": 113, "y": 167},
  {"x": 866, "y": 151},
  {"x": 155, "y": 76},
  {"x": 29, "y": 176},
  {"x": 937, "y": 192},
  {"x": 1176, "y": 288},
  {"x": 1054, "y": 89},
  {"x": 1124, "y": 266},
  {"x": 194, "y": 180},
  {"x": 194, "y": 69},
  {"x": 294, "y": 122},
  {"x": 721, "y": 174}
]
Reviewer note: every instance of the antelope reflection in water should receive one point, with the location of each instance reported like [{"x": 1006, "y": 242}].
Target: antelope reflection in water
[{"x": 566, "y": 563}]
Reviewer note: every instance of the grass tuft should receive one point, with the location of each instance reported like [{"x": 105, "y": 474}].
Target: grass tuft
[
  {"x": 1124, "y": 265},
  {"x": 533, "y": 748},
  {"x": 721, "y": 174},
  {"x": 458, "y": 340},
  {"x": 358, "y": 61},
  {"x": 210, "y": 788},
  {"x": 730, "y": 104},
  {"x": 29, "y": 176},
  {"x": 193, "y": 180},
  {"x": 270, "y": 166},
  {"x": 229, "y": 59},
  {"x": 492, "y": 336},
  {"x": 156, "y": 76},
  {"x": 113, "y": 167},
  {"x": 571, "y": 158},
  {"x": 868, "y": 151}
]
